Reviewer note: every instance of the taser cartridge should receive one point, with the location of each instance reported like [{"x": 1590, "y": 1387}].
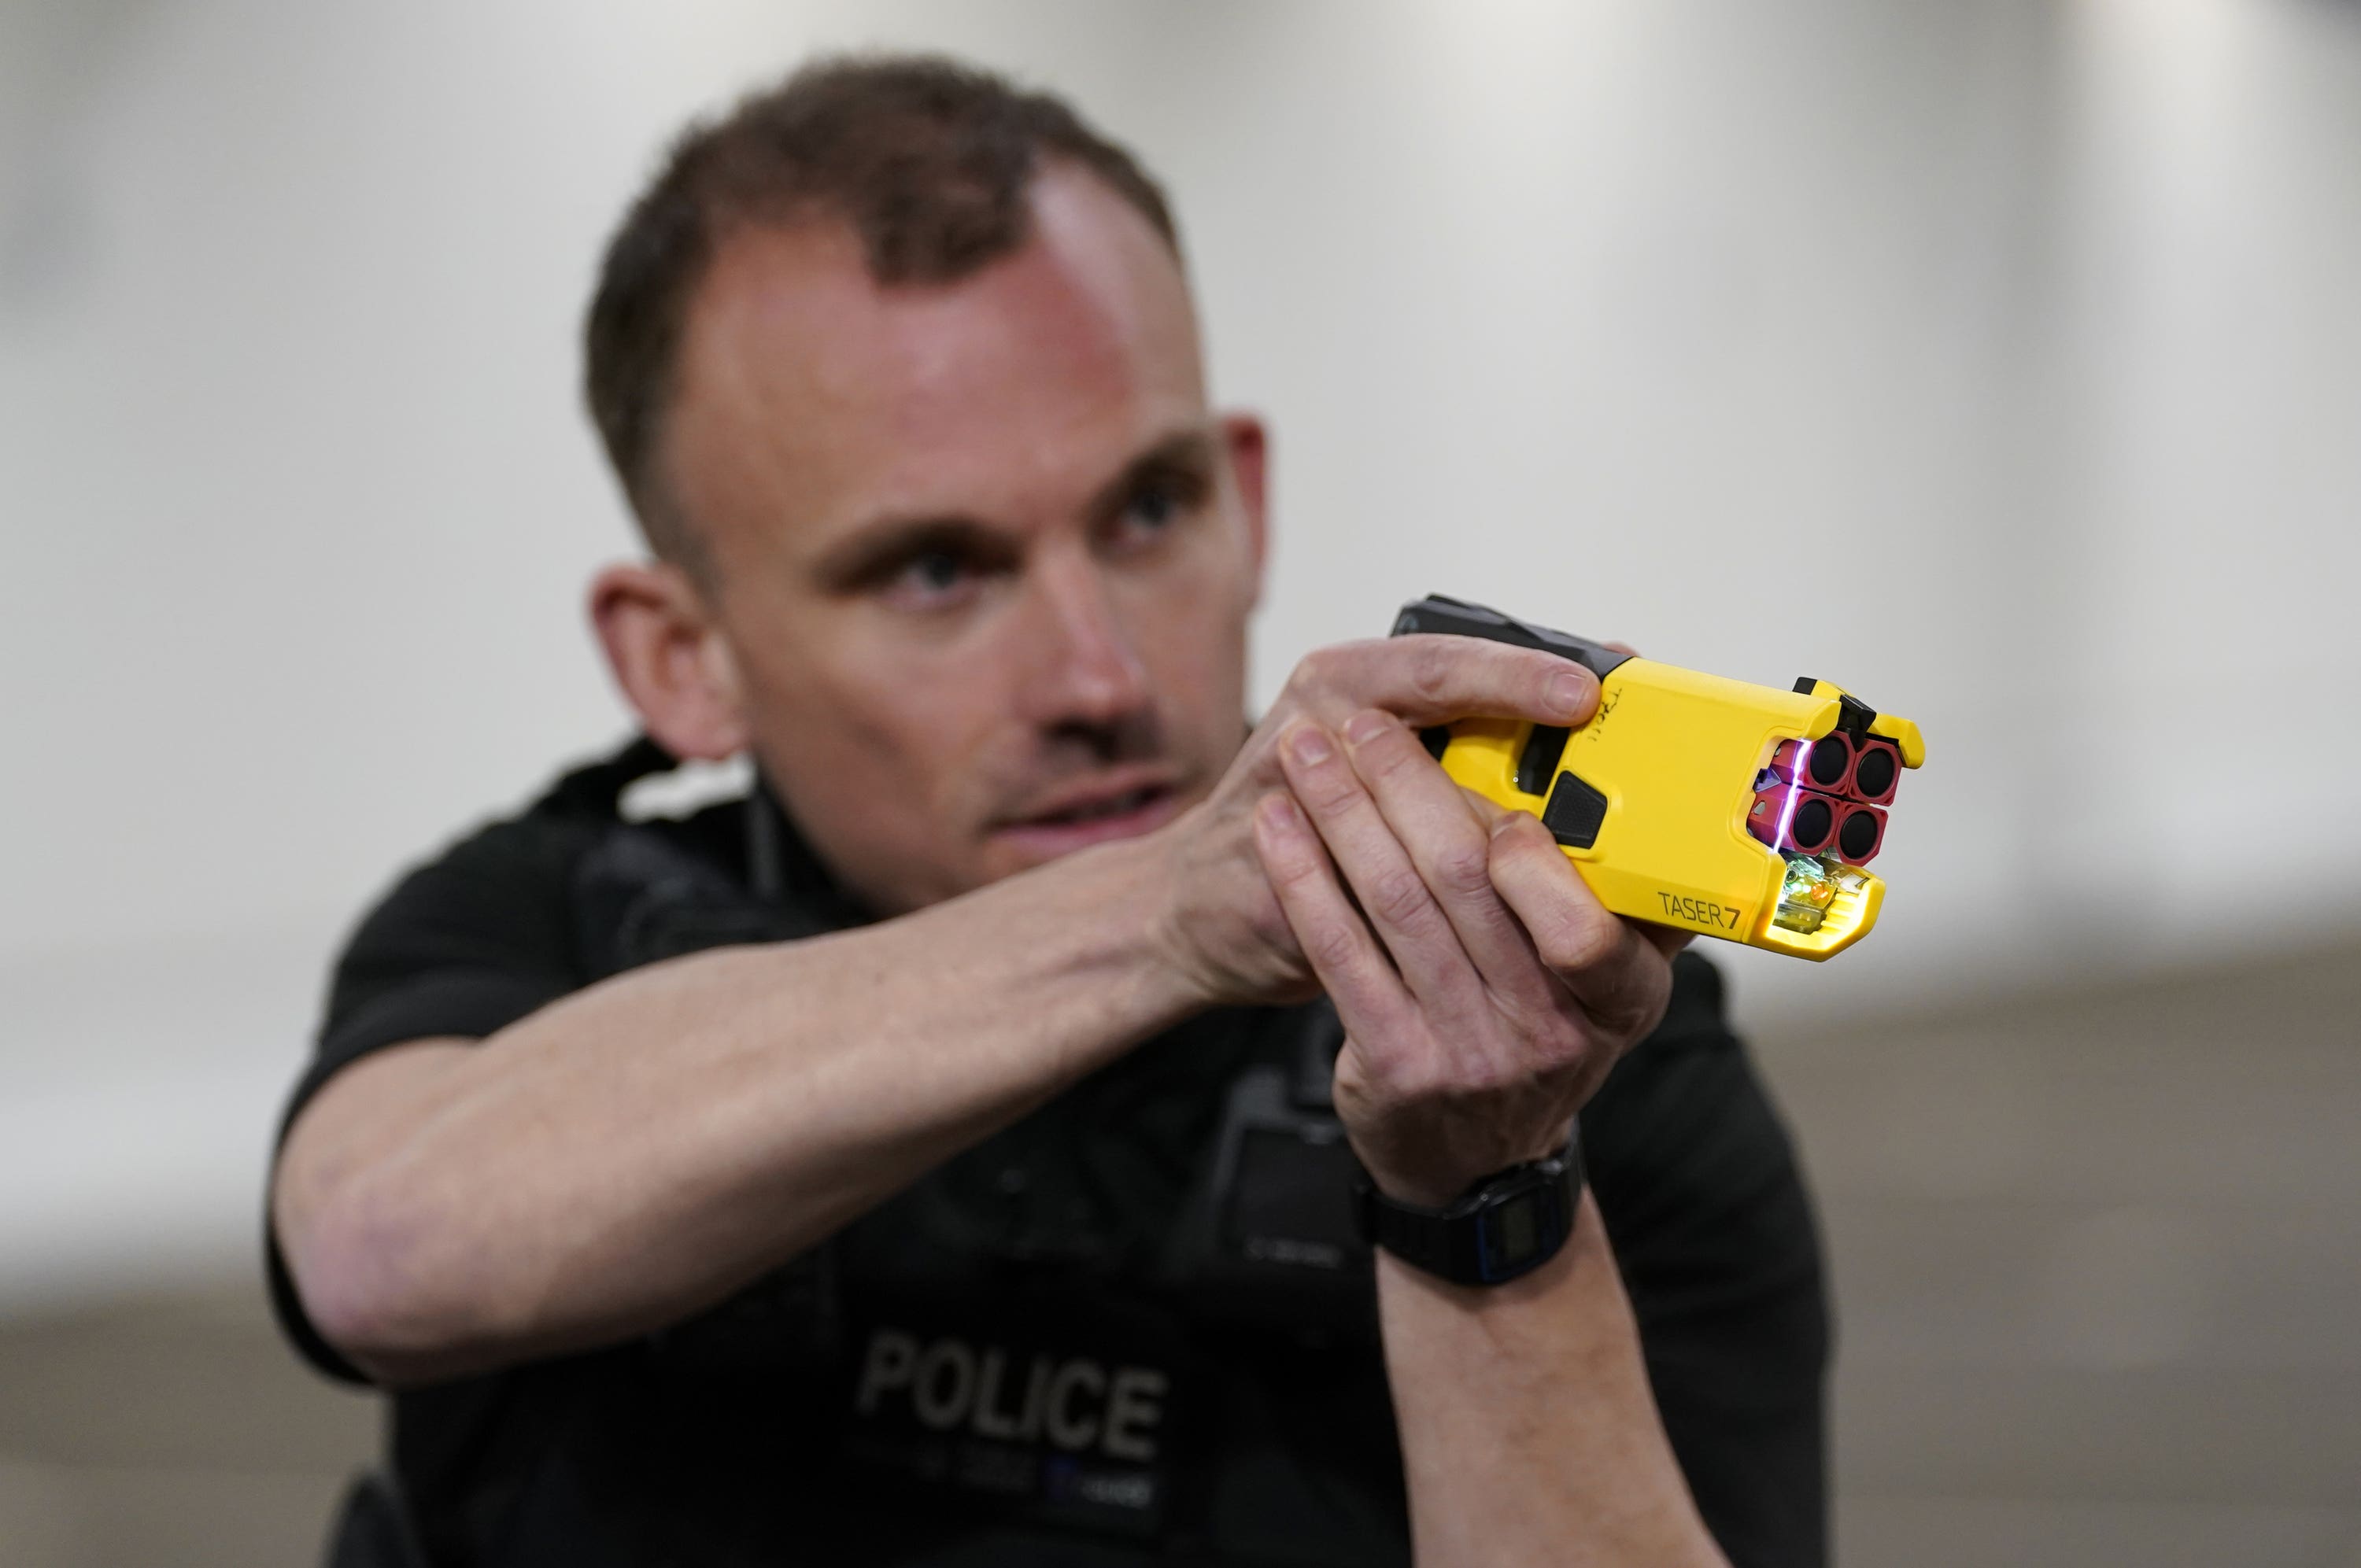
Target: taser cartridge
[{"x": 1715, "y": 806}]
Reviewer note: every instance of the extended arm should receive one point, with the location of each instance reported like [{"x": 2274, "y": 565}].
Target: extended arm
[
  {"x": 628, "y": 1155},
  {"x": 1485, "y": 995},
  {"x": 1529, "y": 1433},
  {"x": 636, "y": 1151}
]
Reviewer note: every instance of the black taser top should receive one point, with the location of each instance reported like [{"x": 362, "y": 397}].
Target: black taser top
[{"x": 1132, "y": 1327}]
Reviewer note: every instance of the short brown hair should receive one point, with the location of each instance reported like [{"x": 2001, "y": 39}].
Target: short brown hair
[{"x": 927, "y": 159}]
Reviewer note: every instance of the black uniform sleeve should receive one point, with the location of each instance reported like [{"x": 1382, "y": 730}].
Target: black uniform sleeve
[
  {"x": 1713, "y": 1229},
  {"x": 461, "y": 948}
]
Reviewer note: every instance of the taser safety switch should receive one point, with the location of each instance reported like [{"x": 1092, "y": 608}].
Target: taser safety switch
[{"x": 1715, "y": 806}]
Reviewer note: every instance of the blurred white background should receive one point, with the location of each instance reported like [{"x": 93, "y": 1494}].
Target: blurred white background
[{"x": 2000, "y": 361}]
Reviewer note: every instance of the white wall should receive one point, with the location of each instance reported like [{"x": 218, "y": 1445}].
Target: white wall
[{"x": 2003, "y": 362}]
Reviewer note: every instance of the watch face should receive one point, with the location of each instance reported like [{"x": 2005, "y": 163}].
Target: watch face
[
  {"x": 1522, "y": 1228},
  {"x": 1517, "y": 1234}
]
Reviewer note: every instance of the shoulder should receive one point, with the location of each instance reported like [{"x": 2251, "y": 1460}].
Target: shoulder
[
  {"x": 494, "y": 924},
  {"x": 499, "y": 893}
]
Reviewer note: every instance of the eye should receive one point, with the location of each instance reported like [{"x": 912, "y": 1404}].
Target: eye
[
  {"x": 1159, "y": 504},
  {"x": 932, "y": 578},
  {"x": 1152, "y": 506},
  {"x": 937, "y": 571}
]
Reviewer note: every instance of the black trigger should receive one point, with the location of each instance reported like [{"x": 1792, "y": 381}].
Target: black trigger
[
  {"x": 1436, "y": 739},
  {"x": 1574, "y": 812},
  {"x": 1539, "y": 760}
]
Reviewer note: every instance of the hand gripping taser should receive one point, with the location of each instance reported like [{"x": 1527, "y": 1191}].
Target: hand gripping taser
[{"x": 1710, "y": 805}]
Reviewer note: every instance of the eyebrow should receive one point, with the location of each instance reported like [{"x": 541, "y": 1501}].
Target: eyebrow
[{"x": 877, "y": 548}]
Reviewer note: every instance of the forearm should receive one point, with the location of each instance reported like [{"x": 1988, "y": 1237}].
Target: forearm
[
  {"x": 1529, "y": 1433},
  {"x": 635, "y": 1152}
]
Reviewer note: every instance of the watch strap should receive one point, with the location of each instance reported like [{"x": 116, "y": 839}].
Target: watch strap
[{"x": 1504, "y": 1227}]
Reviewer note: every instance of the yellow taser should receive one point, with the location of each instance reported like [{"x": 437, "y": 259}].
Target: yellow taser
[{"x": 1714, "y": 806}]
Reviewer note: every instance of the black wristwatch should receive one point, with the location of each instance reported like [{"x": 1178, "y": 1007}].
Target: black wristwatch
[{"x": 1507, "y": 1225}]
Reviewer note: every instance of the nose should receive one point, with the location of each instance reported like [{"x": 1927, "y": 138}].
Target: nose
[{"x": 1083, "y": 670}]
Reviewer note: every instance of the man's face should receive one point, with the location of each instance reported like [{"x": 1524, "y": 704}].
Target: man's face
[{"x": 980, "y": 557}]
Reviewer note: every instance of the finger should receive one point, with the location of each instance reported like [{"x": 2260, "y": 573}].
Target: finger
[
  {"x": 1400, "y": 905},
  {"x": 1434, "y": 678},
  {"x": 1450, "y": 846},
  {"x": 1668, "y": 941},
  {"x": 1367, "y": 992},
  {"x": 1616, "y": 971}
]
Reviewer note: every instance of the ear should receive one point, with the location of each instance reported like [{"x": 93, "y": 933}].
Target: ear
[
  {"x": 1248, "y": 445},
  {"x": 669, "y": 658}
]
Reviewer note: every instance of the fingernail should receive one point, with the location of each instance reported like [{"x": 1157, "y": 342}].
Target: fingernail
[
  {"x": 1311, "y": 745},
  {"x": 1568, "y": 693},
  {"x": 1365, "y": 727},
  {"x": 1278, "y": 812}
]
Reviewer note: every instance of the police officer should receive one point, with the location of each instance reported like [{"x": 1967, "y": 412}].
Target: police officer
[{"x": 969, "y": 1148}]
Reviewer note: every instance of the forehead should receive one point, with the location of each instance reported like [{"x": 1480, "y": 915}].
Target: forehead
[{"x": 810, "y": 397}]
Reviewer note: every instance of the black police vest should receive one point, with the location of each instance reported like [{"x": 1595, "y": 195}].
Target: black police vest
[{"x": 1135, "y": 1326}]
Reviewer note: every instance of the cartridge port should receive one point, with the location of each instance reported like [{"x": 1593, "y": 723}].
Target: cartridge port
[
  {"x": 1861, "y": 832},
  {"x": 1876, "y": 771},
  {"x": 1788, "y": 818},
  {"x": 1827, "y": 796},
  {"x": 1825, "y": 763}
]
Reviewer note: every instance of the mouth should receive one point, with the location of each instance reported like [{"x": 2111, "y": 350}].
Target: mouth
[{"x": 1093, "y": 816}]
